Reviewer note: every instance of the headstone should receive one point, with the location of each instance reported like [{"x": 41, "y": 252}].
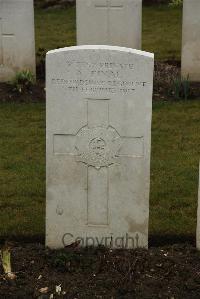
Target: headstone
[
  {"x": 191, "y": 40},
  {"x": 99, "y": 106},
  {"x": 198, "y": 217},
  {"x": 109, "y": 22},
  {"x": 17, "y": 41}
]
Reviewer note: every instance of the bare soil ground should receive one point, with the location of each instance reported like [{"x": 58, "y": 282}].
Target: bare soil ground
[
  {"x": 164, "y": 272},
  {"x": 65, "y": 3},
  {"x": 36, "y": 93}
]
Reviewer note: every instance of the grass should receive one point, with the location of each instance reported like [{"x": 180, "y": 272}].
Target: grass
[
  {"x": 56, "y": 28},
  {"x": 174, "y": 168},
  {"x": 22, "y": 163},
  {"x": 162, "y": 31}
]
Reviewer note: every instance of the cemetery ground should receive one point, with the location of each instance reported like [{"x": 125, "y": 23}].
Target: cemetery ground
[
  {"x": 158, "y": 21},
  {"x": 168, "y": 271}
]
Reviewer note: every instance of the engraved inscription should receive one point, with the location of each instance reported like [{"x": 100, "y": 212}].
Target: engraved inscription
[
  {"x": 99, "y": 65},
  {"x": 96, "y": 86},
  {"x": 99, "y": 77},
  {"x": 59, "y": 210}
]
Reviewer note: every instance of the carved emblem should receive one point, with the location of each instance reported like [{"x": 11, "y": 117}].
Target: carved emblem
[{"x": 98, "y": 146}]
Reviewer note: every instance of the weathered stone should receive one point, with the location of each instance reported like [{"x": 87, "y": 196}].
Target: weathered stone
[
  {"x": 190, "y": 64},
  {"x": 109, "y": 22},
  {"x": 99, "y": 105},
  {"x": 17, "y": 41}
]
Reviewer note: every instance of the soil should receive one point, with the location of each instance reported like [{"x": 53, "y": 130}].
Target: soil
[
  {"x": 65, "y": 3},
  {"x": 165, "y": 272},
  {"x": 46, "y": 4},
  {"x": 166, "y": 76},
  {"x": 9, "y": 93},
  {"x": 168, "y": 84}
]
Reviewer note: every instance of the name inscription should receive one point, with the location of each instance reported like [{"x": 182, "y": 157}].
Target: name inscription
[{"x": 109, "y": 77}]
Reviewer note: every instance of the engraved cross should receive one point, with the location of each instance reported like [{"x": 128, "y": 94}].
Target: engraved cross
[
  {"x": 110, "y": 7},
  {"x": 109, "y": 4},
  {"x": 98, "y": 145},
  {"x": 5, "y": 36}
]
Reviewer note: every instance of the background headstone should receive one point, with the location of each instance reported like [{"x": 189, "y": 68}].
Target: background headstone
[
  {"x": 198, "y": 217},
  {"x": 17, "y": 40},
  {"x": 109, "y": 22},
  {"x": 99, "y": 106},
  {"x": 190, "y": 63}
]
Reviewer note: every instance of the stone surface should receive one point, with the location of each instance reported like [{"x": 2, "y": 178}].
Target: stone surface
[
  {"x": 109, "y": 22},
  {"x": 99, "y": 106},
  {"x": 17, "y": 40},
  {"x": 191, "y": 40},
  {"x": 198, "y": 217}
]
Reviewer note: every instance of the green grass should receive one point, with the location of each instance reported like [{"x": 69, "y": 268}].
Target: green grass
[
  {"x": 22, "y": 174},
  {"x": 174, "y": 168},
  {"x": 55, "y": 28},
  {"x": 161, "y": 30}
]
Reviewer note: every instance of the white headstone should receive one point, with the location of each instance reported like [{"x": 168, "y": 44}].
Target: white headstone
[
  {"x": 17, "y": 40},
  {"x": 198, "y": 217},
  {"x": 109, "y": 22},
  {"x": 191, "y": 40},
  {"x": 99, "y": 106}
]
